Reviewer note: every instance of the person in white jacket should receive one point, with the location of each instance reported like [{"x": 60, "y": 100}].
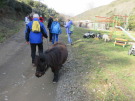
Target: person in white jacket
[{"x": 27, "y": 20}]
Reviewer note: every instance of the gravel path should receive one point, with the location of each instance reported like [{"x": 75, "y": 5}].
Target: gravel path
[
  {"x": 21, "y": 84},
  {"x": 70, "y": 86},
  {"x": 17, "y": 75}
]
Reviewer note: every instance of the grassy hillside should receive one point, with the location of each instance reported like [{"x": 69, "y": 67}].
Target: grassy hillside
[
  {"x": 119, "y": 7},
  {"x": 12, "y": 14},
  {"x": 13, "y": 9}
]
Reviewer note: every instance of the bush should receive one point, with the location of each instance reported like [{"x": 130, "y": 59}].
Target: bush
[{"x": 131, "y": 22}]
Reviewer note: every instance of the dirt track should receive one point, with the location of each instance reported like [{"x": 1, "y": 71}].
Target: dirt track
[
  {"x": 17, "y": 79},
  {"x": 17, "y": 75}
]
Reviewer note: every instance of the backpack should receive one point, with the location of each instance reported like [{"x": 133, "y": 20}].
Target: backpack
[
  {"x": 55, "y": 28},
  {"x": 71, "y": 28},
  {"x": 36, "y": 27}
]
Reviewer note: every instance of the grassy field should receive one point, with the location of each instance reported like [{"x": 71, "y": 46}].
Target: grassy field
[{"x": 109, "y": 73}]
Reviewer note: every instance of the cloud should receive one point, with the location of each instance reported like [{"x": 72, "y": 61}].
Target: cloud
[{"x": 74, "y": 7}]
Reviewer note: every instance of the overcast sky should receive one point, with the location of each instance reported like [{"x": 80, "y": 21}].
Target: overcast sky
[{"x": 74, "y": 7}]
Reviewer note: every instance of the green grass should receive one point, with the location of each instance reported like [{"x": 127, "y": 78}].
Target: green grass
[{"x": 110, "y": 70}]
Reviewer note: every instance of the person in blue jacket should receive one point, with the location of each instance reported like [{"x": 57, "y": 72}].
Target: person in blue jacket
[
  {"x": 68, "y": 31},
  {"x": 55, "y": 30},
  {"x": 35, "y": 38}
]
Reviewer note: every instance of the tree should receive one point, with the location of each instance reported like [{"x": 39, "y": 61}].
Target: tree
[{"x": 131, "y": 22}]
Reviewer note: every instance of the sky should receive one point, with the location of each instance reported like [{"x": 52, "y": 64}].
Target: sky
[{"x": 74, "y": 7}]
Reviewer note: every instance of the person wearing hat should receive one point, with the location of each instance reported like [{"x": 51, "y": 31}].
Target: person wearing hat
[
  {"x": 41, "y": 19},
  {"x": 50, "y": 20},
  {"x": 34, "y": 33}
]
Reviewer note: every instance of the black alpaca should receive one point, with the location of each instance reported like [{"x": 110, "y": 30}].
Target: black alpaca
[{"x": 54, "y": 58}]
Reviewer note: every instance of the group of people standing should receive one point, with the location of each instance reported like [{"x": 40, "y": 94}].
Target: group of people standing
[
  {"x": 55, "y": 30},
  {"x": 36, "y": 31}
]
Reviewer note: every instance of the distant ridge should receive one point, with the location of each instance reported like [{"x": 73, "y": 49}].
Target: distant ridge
[{"x": 118, "y": 7}]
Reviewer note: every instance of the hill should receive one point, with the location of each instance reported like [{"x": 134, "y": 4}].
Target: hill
[
  {"x": 118, "y": 7},
  {"x": 13, "y": 9},
  {"x": 11, "y": 14}
]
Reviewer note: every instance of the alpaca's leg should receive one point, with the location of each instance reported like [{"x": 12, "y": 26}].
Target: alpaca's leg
[
  {"x": 105, "y": 39},
  {"x": 108, "y": 39},
  {"x": 56, "y": 76},
  {"x": 129, "y": 52}
]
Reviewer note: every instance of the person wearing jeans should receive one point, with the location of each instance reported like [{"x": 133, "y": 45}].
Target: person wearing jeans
[
  {"x": 68, "y": 31},
  {"x": 69, "y": 38},
  {"x": 55, "y": 30},
  {"x": 55, "y": 38}
]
